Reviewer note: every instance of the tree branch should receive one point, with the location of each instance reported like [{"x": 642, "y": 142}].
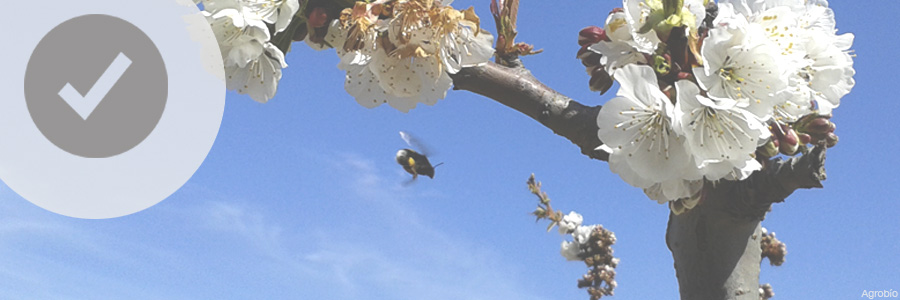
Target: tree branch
[
  {"x": 518, "y": 89},
  {"x": 779, "y": 178},
  {"x": 716, "y": 245}
]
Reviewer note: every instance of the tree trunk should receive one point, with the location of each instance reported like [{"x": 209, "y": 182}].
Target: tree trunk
[{"x": 717, "y": 255}]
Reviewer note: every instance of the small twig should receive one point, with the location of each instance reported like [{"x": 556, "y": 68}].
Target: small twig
[{"x": 592, "y": 245}]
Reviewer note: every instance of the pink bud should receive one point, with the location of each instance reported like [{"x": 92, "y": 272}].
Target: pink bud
[
  {"x": 591, "y": 35},
  {"x": 318, "y": 17},
  {"x": 789, "y": 140},
  {"x": 804, "y": 138},
  {"x": 820, "y": 125}
]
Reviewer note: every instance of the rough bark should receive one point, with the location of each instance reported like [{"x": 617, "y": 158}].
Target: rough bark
[
  {"x": 518, "y": 89},
  {"x": 716, "y": 245}
]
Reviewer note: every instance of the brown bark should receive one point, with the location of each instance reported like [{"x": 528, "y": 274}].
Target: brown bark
[
  {"x": 518, "y": 89},
  {"x": 716, "y": 245}
]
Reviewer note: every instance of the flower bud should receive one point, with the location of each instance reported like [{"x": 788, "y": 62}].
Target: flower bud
[
  {"x": 789, "y": 141},
  {"x": 685, "y": 75},
  {"x": 583, "y": 53},
  {"x": 820, "y": 125},
  {"x": 831, "y": 139},
  {"x": 590, "y": 61},
  {"x": 600, "y": 80},
  {"x": 318, "y": 17},
  {"x": 804, "y": 138},
  {"x": 591, "y": 35},
  {"x": 662, "y": 64}
]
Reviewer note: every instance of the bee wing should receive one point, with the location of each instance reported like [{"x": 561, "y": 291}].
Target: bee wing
[
  {"x": 415, "y": 143},
  {"x": 409, "y": 182}
]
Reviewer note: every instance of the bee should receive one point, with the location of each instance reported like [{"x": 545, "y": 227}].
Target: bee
[{"x": 413, "y": 162}]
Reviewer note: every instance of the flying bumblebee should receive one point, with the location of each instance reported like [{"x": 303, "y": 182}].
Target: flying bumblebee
[{"x": 413, "y": 162}]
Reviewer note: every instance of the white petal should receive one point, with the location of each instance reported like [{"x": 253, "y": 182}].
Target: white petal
[
  {"x": 674, "y": 189},
  {"x": 479, "y": 49},
  {"x": 569, "y": 250},
  {"x": 260, "y": 77},
  {"x": 616, "y": 55}
]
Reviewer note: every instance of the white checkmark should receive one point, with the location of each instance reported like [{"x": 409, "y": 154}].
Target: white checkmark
[{"x": 85, "y": 105}]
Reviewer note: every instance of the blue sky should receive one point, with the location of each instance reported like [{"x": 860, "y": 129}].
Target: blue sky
[{"x": 300, "y": 198}]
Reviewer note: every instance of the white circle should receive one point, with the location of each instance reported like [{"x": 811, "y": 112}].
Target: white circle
[{"x": 96, "y": 188}]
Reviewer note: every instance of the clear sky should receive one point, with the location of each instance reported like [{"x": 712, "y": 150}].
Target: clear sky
[{"x": 301, "y": 198}]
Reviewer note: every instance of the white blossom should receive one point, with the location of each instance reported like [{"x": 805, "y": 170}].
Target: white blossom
[
  {"x": 617, "y": 55},
  {"x": 580, "y": 236},
  {"x": 240, "y": 35},
  {"x": 252, "y": 63},
  {"x": 259, "y": 78},
  {"x": 639, "y": 14},
  {"x": 829, "y": 72},
  {"x": 720, "y": 135},
  {"x": 739, "y": 64},
  {"x": 570, "y": 250},
  {"x": 570, "y": 222},
  {"x": 277, "y": 12},
  {"x": 816, "y": 60},
  {"x": 411, "y": 62},
  {"x": 638, "y": 128},
  {"x": 583, "y": 233}
]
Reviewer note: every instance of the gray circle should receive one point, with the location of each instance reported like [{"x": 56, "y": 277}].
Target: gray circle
[{"x": 106, "y": 59}]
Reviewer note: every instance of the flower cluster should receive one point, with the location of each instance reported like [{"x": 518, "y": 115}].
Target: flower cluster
[
  {"x": 705, "y": 88},
  {"x": 590, "y": 244},
  {"x": 243, "y": 29},
  {"x": 772, "y": 248},
  {"x": 401, "y": 52}
]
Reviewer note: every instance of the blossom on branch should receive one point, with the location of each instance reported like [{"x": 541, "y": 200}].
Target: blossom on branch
[
  {"x": 638, "y": 127},
  {"x": 708, "y": 98},
  {"x": 252, "y": 63},
  {"x": 402, "y": 54}
]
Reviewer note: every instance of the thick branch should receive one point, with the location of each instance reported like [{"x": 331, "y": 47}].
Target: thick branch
[
  {"x": 779, "y": 179},
  {"x": 518, "y": 89}
]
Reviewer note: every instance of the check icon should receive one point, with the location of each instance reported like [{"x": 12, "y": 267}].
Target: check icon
[{"x": 84, "y": 105}]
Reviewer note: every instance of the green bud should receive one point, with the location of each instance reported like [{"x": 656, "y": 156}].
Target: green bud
[
  {"x": 662, "y": 64},
  {"x": 770, "y": 149}
]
